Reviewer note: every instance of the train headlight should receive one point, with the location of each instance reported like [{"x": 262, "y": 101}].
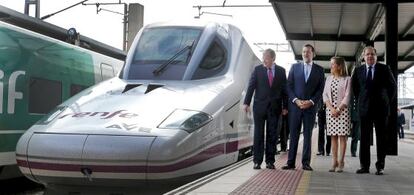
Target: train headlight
[{"x": 188, "y": 120}]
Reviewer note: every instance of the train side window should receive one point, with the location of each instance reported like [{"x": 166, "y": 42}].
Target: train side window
[
  {"x": 44, "y": 95},
  {"x": 107, "y": 71},
  {"x": 75, "y": 88},
  {"x": 213, "y": 62}
]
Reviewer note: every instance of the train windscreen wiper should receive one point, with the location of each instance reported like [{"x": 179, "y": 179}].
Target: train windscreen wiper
[{"x": 164, "y": 65}]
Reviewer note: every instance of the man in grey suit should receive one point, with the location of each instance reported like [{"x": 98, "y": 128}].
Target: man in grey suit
[
  {"x": 305, "y": 86},
  {"x": 374, "y": 87},
  {"x": 268, "y": 83}
]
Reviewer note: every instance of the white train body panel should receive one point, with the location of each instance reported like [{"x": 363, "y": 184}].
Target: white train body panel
[{"x": 133, "y": 129}]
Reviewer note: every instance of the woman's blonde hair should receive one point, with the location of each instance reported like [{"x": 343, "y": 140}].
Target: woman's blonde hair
[{"x": 340, "y": 61}]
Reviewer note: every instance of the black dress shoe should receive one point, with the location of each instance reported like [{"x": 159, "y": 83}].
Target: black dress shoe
[
  {"x": 320, "y": 154},
  {"x": 379, "y": 172},
  {"x": 270, "y": 166},
  {"x": 307, "y": 168},
  {"x": 256, "y": 166},
  {"x": 327, "y": 154},
  {"x": 362, "y": 171},
  {"x": 288, "y": 167},
  {"x": 353, "y": 155}
]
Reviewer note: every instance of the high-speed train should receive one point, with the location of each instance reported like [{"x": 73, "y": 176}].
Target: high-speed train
[
  {"x": 37, "y": 73},
  {"x": 174, "y": 111}
]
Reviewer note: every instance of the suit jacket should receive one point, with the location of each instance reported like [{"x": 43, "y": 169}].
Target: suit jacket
[
  {"x": 321, "y": 113},
  {"x": 297, "y": 87},
  {"x": 344, "y": 90},
  {"x": 354, "y": 108},
  {"x": 382, "y": 91},
  {"x": 265, "y": 96},
  {"x": 401, "y": 119}
]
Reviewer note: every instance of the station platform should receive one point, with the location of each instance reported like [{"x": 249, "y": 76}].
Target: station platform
[{"x": 241, "y": 178}]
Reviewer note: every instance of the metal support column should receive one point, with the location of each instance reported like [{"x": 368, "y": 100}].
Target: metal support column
[
  {"x": 391, "y": 59},
  {"x": 36, "y": 3},
  {"x": 135, "y": 22},
  {"x": 126, "y": 23}
]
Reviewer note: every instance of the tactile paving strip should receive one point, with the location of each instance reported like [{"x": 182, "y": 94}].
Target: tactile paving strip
[{"x": 276, "y": 181}]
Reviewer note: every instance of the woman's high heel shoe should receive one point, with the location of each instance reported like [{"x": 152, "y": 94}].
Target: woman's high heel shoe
[
  {"x": 334, "y": 166},
  {"x": 341, "y": 167}
]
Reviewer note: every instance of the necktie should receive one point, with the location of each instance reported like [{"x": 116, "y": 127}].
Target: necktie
[
  {"x": 307, "y": 71},
  {"x": 369, "y": 78},
  {"x": 270, "y": 76}
]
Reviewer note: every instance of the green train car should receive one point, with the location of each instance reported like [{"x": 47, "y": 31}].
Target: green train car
[{"x": 37, "y": 73}]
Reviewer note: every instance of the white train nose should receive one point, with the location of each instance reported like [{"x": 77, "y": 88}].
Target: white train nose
[
  {"x": 87, "y": 159},
  {"x": 106, "y": 155}
]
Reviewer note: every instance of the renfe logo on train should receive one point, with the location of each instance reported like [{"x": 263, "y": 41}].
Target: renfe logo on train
[{"x": 103, "y": 115}]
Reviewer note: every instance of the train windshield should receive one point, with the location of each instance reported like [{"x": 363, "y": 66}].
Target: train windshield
[{"x": 163, "y": 53}]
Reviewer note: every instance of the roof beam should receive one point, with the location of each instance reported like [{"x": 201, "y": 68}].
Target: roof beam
[
  {"x": 330, "y": 1},
  {"x": 340, "y": 23},
  {"x": 352, "y": 58},
  {"x": 401, "y": 37},
  {"x": 339, "y": 1},
  {"x": 405, "y": 58},
  {"x": 409, "y": 51},
  {"x": 311, "y": 19},
  {"x": 343, "y": 38},
  {"x": 324, "y": 37},
  {"x": 326, "y": 58},
  {"x": 408, "y": 28}
]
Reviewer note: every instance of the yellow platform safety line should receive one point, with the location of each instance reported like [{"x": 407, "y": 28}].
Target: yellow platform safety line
[{"x": 303, "y": 185}]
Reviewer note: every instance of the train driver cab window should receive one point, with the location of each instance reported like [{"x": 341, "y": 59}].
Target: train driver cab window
[
  {"x": 163, "y": 53},
  {"x": 213, "y": 62},
  {"x": 107, "y": 71},
  {"x": 44, "y": 95}
]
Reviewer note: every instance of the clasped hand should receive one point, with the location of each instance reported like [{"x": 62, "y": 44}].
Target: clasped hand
[
  {"x": 303, "y": 104},
  {"x": 335, "y": 112}
]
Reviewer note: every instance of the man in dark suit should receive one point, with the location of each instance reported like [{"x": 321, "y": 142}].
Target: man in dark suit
[
  {"x": 284, "y": 131},
  {"x": 374, "y": 87},
  {"x": 400, "y": 123},
  {"x": 321, "y": 135},
  {"x": 305, "y": 86},
  {"x": 355, "y": 131},
  {"x": 268, "y": 82}
]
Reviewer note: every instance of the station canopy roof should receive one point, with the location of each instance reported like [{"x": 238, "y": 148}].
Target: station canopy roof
[{"x": 342, "y": 28}]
